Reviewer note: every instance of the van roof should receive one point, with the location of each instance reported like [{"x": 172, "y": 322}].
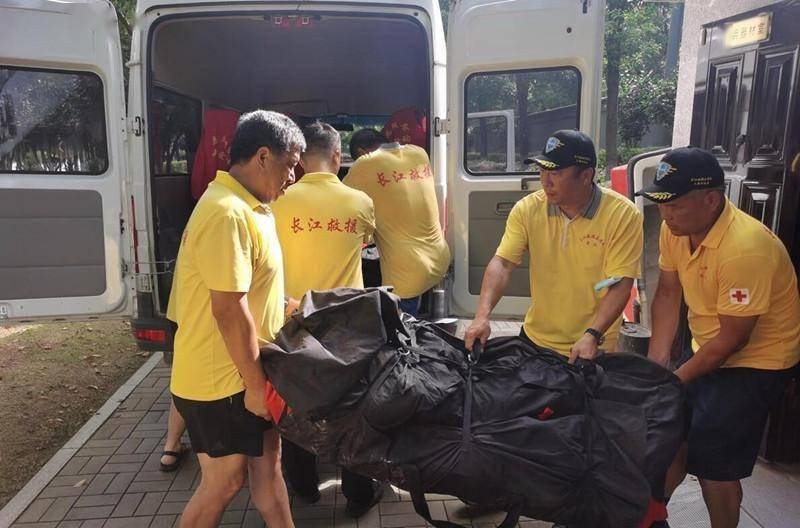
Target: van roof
[{"x": 429, "y": 6}]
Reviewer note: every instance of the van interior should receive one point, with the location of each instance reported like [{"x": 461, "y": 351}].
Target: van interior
[{"x": 350, "y": 70}]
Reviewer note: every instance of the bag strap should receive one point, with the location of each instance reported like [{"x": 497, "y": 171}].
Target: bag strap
[
  {"x": 421, "y": 504},
  {"x": 415, "y": 482},
  {"x": 418, "y": 499}
]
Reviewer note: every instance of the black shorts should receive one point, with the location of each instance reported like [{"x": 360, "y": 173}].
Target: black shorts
[
  {"x": 728, "y": 411},
  {"x": 223, "y": 427}
]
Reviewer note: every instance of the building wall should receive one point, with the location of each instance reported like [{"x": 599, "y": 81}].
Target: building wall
[{"x": 697, "y": 13}]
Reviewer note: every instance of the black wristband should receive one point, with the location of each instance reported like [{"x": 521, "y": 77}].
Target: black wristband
[{"x": 596, "y": 334}]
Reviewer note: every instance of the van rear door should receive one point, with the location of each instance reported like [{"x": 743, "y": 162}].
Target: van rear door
[
  {"x": 62, "y": 125},
  {"x": 536, "y": 62}
]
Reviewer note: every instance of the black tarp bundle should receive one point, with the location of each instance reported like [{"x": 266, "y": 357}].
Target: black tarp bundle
[{"x": 518, "y": 427}]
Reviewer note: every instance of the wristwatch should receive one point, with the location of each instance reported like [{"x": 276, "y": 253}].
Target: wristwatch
[{"x": 597, "y": 335}]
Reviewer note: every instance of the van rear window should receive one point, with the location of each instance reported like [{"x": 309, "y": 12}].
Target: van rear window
[
  {"x": 510, "y": 114},
  {"x": 52, "y": 122}
]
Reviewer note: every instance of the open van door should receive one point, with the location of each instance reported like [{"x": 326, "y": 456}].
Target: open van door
[
  {"x": 536, "y": 62},
  {"x": 62, "y": 165},
  {"x": 642, "y": 173}
]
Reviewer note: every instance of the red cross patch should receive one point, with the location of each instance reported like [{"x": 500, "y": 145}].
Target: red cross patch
[{"x": 739, "y": 296}]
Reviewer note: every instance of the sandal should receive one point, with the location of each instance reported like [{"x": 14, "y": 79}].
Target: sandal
[{"x": 178, "y": 457}]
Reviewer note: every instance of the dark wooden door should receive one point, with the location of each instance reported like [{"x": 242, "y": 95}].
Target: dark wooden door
[{"x": 747, "y": 112}]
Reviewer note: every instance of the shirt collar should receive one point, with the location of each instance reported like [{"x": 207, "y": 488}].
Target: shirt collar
[
  {"x": 720, "y": 227},
  {"x": 311, "y": 177},
  {"x": 589, "y": 211},
  {"x": 226, "y": 180}
]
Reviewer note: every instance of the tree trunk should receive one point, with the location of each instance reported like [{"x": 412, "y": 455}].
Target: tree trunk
[
  {"x": 523, "y": 86},
  {"x": 612, "y": 112},
  {"x": 613, "y": 40}
]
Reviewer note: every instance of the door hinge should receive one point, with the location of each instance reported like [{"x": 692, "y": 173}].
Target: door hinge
[
  {"x": 125, "y": 268},
  {"x": 441, "y": 126},
  {"x": 137, "y": 125}
]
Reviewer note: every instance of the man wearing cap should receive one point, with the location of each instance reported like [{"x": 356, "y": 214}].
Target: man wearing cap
[
  {"x": 584, "y": 243},
  {"x": 744, "y": 314}
]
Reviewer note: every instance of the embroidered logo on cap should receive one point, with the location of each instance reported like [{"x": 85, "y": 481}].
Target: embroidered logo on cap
[
  {"x": 664, "y": 168},
  {"x": 659, "y": 196},
  {"x": 739, "y": 296},
  {"x": 552, "y": 144}
]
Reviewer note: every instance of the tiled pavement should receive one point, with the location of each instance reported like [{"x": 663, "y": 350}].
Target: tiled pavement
[{"x": 113, "y": 481}]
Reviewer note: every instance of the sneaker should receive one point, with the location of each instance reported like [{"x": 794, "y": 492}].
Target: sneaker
[{"x": 357, "y": 509}]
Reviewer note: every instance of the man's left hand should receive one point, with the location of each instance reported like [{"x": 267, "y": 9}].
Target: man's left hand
[
  {"x": 585, "y": 347},
  {"x": 292, "y": 306}
]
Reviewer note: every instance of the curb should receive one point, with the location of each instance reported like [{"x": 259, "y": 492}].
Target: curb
[{"x": 35, "y": 485}]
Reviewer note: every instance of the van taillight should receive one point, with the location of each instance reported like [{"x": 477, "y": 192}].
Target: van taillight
[{"x": 155, "y": 336}]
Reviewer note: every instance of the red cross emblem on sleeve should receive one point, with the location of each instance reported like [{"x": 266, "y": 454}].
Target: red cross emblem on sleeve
[{"x": 740, "y": 296}]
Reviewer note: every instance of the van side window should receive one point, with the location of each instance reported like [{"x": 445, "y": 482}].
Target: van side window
[
  {"x": 52, "y": 122},
  {"x": 176, "y": 122},
  {"x": 511, "y": 113}
]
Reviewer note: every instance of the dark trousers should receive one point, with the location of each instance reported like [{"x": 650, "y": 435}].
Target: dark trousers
[{"x": 301, "y": 471}]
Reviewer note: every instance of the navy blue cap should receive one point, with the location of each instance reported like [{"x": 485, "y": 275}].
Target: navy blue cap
[
  {"x": 566, "y": 148},
  {"x": 682, "y": 171}
]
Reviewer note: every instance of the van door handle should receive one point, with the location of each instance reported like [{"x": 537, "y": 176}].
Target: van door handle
[
  {"x": 525, "y": 184},
  {"x": 503, "y": 208}
]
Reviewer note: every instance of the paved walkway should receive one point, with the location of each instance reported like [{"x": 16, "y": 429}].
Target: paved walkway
[{"x": 113, "y": 481}]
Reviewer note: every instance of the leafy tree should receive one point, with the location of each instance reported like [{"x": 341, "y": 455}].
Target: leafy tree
[
  {"x": 647, "y": 90},
  {"x": 126, "y": 13},
  {"x": 639, "y": 90},
  {"x": 444, "y": 7}
]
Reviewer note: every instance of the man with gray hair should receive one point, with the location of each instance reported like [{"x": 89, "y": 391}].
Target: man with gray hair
[{"x": 228, "y": 299}]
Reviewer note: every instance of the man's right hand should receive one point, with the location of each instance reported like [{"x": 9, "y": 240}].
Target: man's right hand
[
  {"x": 255, "y": 401},
  {"x": 479, "y": 329}
]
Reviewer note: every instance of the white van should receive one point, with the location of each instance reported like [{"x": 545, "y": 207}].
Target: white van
[{"x": 93, "y": 197}]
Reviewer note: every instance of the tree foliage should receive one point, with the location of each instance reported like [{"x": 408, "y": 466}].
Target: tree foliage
[
  {"x": 647, "y": 90},
  {"x": 639, "y": 91}
]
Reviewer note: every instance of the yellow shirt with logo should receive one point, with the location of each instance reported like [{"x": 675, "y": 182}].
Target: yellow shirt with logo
[
  {"x": 740, "y": 269},
  {"x": 414, "y": 254},
  {"x": 567, "y": 259},
  {"x": 322, "y": 225},
  {"x": 229, "y": 245}
]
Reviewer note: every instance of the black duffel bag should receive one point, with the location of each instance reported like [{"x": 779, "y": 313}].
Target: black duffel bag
[{"x": 515, "y": 427}]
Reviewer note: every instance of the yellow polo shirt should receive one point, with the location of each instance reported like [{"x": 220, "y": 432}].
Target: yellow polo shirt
[
  {"x": 229, "y": 245},
  {"x": 414, "y": 254},
  {"x": 567, "y": 259},
  {"x": 741, "y": 269},
  {"x": 322, "y": 225}
]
